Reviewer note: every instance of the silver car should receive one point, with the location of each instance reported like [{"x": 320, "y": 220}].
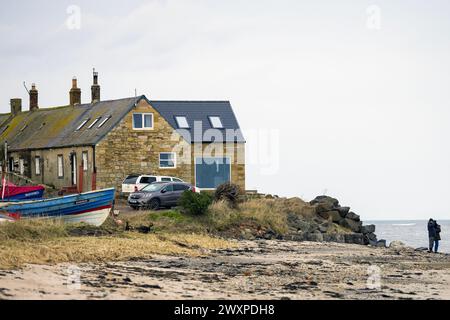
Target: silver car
[{"x": 158, "y": 194}]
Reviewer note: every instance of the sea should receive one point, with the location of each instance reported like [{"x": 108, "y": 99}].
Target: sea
[{"x": 413, "y": 233}]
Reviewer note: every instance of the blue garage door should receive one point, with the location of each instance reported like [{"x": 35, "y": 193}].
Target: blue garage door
[{"x": 211, "y": 172}]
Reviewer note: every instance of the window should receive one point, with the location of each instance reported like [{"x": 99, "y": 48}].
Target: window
[
  {"x": 212, "y": 172},
  {"x": 182, "y": 122},
  {"x": 166, "y": 179},
  {"x": 177, "y": 180},
  {"x": 130, "y": 179},
  {"x": 180, "y": 187},
  {"x": 104, "y": 121},
  {"x": 167, "y": 160},
  {"x": 148, "y": 180},
  {"x": 60, "y": 166},
  {"x": 37, "y": 165},
  {"x": 169, "y": 188},
  {"x": 142, "y": 121},
  {"x": 93, "y": 123},
  {"x": 216, "y": 122},
  {"x": 21, "y": 166},
  {"x": 153, "y": 187},
  {"x": 82, "y": 124},
  {"x": 84, "y": 159}
]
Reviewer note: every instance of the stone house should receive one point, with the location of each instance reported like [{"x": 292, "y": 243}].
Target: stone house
[{"x": 83, "y": 147}]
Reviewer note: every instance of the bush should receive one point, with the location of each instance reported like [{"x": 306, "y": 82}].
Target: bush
[
  {"x": 195, "y": 203},
  {"x": 228, "y": 192}
]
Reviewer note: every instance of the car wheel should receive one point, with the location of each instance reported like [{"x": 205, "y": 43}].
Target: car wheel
[{"x": 154, "y": 204}]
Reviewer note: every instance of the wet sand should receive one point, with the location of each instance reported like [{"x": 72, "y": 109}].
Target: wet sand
[{"x": 254, "y": 270}]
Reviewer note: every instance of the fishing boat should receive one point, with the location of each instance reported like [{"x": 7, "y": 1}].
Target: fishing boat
[
  {"x": 12, "y": 192},
  {"x": 90, "y": 207}
]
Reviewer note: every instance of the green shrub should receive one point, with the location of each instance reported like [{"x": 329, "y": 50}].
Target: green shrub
[
  {"x": 228, "y": 192},
  {"x": 194, "y": 203}
]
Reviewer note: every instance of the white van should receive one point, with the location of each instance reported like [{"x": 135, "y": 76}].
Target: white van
[{"x": 135, "y": 182}]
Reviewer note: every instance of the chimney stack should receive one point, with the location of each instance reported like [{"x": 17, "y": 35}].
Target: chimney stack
[
  {"x": 33, "y": 98},
  {"x": 75, "y": 93},
  {"x": 95, "y": 88},
  {"x": 16, "y": 106}
]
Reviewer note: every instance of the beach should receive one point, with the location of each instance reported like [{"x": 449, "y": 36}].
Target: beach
[{"x": 263, "y": 269}]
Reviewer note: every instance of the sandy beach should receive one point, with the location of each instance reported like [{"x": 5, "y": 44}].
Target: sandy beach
[{"x": 253, "y": 270}]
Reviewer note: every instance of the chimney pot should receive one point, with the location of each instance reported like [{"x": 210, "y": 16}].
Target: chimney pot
[
  {"x": 74, "y": 93},
  {"x": 16, "y": 106},
  {"x": 95, "y": 88},
  {"x": 33, "y": 98}
]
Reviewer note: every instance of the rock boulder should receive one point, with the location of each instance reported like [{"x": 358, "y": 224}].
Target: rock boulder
[
  {"x": 368, "y": 229},
  {"x": 353, "y": 216},
  {"x": 355, "y": 226}
]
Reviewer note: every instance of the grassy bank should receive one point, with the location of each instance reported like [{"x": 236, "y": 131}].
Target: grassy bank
[
  {"x": 144, "y": 233},
  {"x": 51, "y": 242}
]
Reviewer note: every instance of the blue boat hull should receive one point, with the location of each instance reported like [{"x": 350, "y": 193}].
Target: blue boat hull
[{"x": 90, "y": 207}]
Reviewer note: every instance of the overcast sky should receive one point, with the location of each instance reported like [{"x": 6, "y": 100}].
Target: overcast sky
[{"x": 347, "y": 98}]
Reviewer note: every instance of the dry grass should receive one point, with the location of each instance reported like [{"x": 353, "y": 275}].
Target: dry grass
[
  {"x": 173, "y": 233},
  {"x": 267, "y": 213},
  {"x": 47, "y": 242}
]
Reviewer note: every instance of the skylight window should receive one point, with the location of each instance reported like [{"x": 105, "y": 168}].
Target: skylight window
[
  {"x": 93, "y": 123},
  {"x": 216, "y": 122},
  {"x": 104, "y": 121},
  {"x": 82, "y": 124},
  {"x": 182, "y": 122}
]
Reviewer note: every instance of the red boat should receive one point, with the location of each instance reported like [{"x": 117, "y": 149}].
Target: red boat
[{"x": 15, "y": 193}]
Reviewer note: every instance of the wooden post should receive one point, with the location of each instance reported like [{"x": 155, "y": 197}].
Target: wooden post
[
  {"x": 94, "y": 179},
  {"x": 80, "y": 179}
]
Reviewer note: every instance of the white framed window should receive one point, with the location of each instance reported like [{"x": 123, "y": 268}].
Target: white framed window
[
  {"x": 82, "y": 124},
  {"x": 167, "y": 160},
  {"x": 37, "y": 166},
  {"x": 104, "y": 121},
  {"x": 143, "y": 121},
  {"x": 182, "y": 122},
  {"x": 21, "y": 166},
  {"x": 216, "y": 122},
  {"x": 60, "y": 166},
  {"x": 84, "y": 158},
  {"x": 94, "y": 122}
]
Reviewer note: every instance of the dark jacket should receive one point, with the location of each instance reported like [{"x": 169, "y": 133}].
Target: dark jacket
[
  {"x": 438, "y": 232},
  {"x": 432, "y": 229}
]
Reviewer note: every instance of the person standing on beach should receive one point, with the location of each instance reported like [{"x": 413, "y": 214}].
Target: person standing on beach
[{"x": 434, "y": 231}]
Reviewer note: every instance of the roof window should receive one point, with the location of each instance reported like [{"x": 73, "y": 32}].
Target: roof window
[
  {"x": 104, "y": 121},
  {"x": 82, "y": 124},
  {"x": 94, "y": 122},
  {"x": 182, "y": 122},
  {"x": 216, "y": 122}
]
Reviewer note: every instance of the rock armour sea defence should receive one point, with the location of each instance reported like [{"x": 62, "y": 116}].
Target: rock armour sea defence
[{"x": 333, "y": 223}]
